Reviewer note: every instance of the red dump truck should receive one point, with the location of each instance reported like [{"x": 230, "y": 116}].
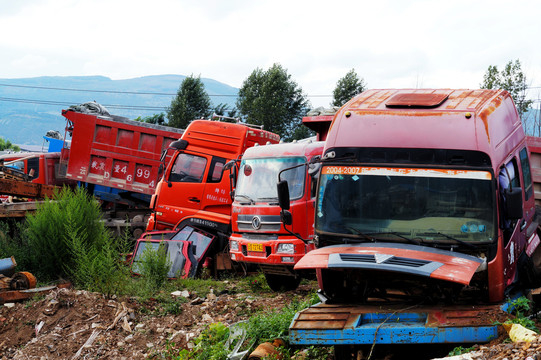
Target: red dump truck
[
  {"x": 258, "y": 237},
  {"x": 117, "y": 159},
  {"x": 425, "y": 197}
]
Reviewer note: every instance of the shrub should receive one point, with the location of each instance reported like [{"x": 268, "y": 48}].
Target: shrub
[
  {"x": 96, "y": 263},
  {"x": 154, "y": 266},
  {"x": 70, "y": 213},
  {"x": 65, "y": 237}
]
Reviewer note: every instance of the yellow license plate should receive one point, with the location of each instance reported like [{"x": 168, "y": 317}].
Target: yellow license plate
[{"x": 255, "y": 247}]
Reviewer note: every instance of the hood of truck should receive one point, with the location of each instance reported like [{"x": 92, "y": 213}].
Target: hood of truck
[{"x": 390, "y": 257}]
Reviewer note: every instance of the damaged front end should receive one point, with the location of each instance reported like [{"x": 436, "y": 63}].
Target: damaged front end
[
  {"x": 364, "y": 272},
  {"x": 186, "y": 250}
]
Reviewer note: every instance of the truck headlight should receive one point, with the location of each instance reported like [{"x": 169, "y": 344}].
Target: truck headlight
[
  {"x": 288, "y": 259},
  {"x": 286, "y": 248},
  {"x": 234, "y": 245}
]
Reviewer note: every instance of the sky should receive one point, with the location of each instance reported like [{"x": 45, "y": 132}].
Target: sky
[{"x": 389, "y": 43}]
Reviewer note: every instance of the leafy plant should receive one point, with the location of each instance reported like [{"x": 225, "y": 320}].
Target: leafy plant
[
  {"x": 96, "y": 263},
  {"x": 210, "y": 345},
  {"x": 154, "y": 266},
  {"x": 46, "y": 237},
  {"x": 459, "y": 350},
  {"x": 521, "y": 307}
]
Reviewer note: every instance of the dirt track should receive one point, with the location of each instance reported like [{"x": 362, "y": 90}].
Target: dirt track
[
  {"x": 71, "y": 324},
  {"x": 59, "y": 325}
]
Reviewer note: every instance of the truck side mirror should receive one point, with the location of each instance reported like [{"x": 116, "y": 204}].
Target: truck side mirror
[
  {"x": 283, "y": 194},
  {"x": 513, "y": 203},
  {"x": 285, "y": 217},
  {"x": 228, "y": 165},
  {"x": 179, "y": 144}
]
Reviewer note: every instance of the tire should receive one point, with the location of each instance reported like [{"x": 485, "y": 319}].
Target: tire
[{"x": 282, "y": 282}]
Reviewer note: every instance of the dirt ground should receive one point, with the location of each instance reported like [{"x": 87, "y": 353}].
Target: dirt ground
[{"x": 73, "y": 324}]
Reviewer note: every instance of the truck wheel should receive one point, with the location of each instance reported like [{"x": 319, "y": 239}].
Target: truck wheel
[{"x": 282, "y": 282}]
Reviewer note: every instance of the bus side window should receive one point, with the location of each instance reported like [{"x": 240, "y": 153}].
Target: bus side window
[{"x": 526, "y": 173}]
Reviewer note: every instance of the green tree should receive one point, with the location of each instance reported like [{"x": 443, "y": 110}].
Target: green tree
[
  {"x": 512, "y": 79},
  {"x": 158, "y": 119},
  {"x": 7, "y": 145},
  {"x": 192, "y": 102},
  {"x": 272, "y": 99},
  {"x": 347, "y": 87}
]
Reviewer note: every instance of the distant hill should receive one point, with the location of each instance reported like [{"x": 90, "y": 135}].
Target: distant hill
[{"x": 30, "y": 107}]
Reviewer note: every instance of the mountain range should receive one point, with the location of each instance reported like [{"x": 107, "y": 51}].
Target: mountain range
[{"x": 29, "y": 107}]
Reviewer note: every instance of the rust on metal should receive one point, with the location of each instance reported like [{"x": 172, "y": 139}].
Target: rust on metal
[
  {"x": 483, "y": 115},
  {"x": 417, "y": 100},
  {"x": 25, "y": 189},
  {"x": 334, "y": 317},
  {"x": 17, "y": 209}
]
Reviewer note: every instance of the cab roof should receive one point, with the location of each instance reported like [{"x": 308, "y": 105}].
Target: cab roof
[
  {"x": 307, "y": 149},
  {"x": 481, "y": 120}
]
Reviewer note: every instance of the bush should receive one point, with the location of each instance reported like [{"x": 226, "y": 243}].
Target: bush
[
  {"x": 154, "y": 266},
  {"x": 65, "y": 237},
  {"x": 96, "y": 263},
  {"x": 48, "y": 231}
]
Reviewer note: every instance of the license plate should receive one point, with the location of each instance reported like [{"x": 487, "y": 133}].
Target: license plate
[{"x": 255, "y": 247}]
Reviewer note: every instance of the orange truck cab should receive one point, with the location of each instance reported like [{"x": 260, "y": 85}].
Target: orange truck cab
[
  {"x": 195, "y": 189},
  {"x": 258, "y": 235},
  {"x": 425, "y": 194}
]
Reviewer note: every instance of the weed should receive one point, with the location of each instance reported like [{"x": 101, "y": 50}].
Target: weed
[
  {"x": 154, "y": 266},
  {"x": 197, "y": 287},
  {"x": 521, "y": 307},
  {"x": 459, "y": 350}
]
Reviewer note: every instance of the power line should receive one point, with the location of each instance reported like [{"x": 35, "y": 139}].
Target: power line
[
  {"x": 120, "y": 92},
  {"x": 59, "y": 103}
]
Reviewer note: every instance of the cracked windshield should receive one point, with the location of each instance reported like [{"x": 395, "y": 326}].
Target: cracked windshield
[
  {"x": 258, "y": 178},
  {"x": 424, "y": 204}
]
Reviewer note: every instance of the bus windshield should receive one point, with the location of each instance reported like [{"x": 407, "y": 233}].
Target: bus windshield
[{"x": 424, "y": 204}]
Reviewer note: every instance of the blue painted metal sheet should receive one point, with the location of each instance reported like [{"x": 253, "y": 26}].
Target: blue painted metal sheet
[{"x": 335, "y": 325}]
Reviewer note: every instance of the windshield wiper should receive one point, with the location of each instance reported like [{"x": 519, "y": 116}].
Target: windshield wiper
[
  {"x": 250, "y": 200},
  {"x": 370, "y": 237},
  {"x": 413, "y": 241},
  {"x": 359, "y": 232},
  {"x": 461, "y": 242}
]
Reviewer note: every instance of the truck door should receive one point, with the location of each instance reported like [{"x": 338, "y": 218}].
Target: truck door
[
  {"x": 514, "y": 230},
  {"x": 216, "y": 197},
  {"x": 183, "y": 193}
]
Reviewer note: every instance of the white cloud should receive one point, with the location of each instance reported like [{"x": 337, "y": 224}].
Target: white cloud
[{"x": 390, "y": 43}]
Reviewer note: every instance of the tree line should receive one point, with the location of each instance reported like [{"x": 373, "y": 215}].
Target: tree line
[{"x": 271, "y": 98}]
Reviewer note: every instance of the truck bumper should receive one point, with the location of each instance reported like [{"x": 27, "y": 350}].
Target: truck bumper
[
  {"x": 267, "y": 251},
  {"x": 360, "y": 324}
]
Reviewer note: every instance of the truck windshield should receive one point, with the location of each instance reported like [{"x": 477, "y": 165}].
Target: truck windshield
[
  {"x": 258, "y": 178},
  {"x": 430, "y": 205}
]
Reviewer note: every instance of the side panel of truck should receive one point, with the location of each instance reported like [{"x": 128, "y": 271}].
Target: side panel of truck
[{"x": 116, "y": 152}]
